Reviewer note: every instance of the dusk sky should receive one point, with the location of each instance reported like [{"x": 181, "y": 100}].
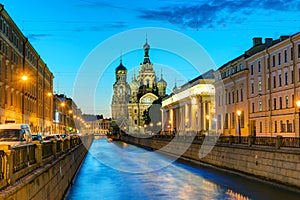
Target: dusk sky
[{"x": 66, "y": 33}]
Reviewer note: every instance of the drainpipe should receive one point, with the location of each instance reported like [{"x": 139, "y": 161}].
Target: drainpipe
[
  {"x": 23, "y": 69},
  {"x": 294, "y": 81}
]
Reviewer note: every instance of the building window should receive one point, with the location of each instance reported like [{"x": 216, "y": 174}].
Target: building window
[
  {"x": 286, "y": 78},
  {"x": 279, "y": 58},
  {"x": 232, "y": 120},
  {"x": 269, "y": 104},
  {"x": 268, "y": 79},
  {"x": 259, "y": 86},
  {"x": 242, "y": 99},
  {"x": 275, "y": 126},
  {"x": 226, "y": 121},
  {"x": 260, "y": 106},
  {"x": 241, "y": 67},
  {"x": 293, "y": 100},
  {"x": 259, "y": 67},
  {"x": 225, "y": 98},
  {"x": 251, "y": 69},
  {"x": 219, "y": 122},
  {"x": 229, "y": 100},
  {"x": 260, "y": 127},
  {"x": 292, "y": 53},
  {"x": 232, "y": 96},
  {"x": 282, "y": 126},
  {"x": 289, "y": 126},
  {"x": 6, "y": 71},
  {"x": 285, "y": 56},
  {"x": 274, "y": 81},
  {"x": 298, "y": 50},
  {"x": 252, "y": 88},
  {"x": 242, "y": 122},
  {"x": 273, "y": 61},
  {"x": 286, "y": 101},
  {"x": 237, "y": 95},
  {"x": 280, "y": 102},
  {"x": 252, "y": 107},
  {"x": 274, "y": 103},
  {"x": 280, "y": 80},
  {"x": 292, "y": 77}
]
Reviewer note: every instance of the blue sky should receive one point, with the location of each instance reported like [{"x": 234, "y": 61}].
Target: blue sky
[{"x": 66, "y": 33}]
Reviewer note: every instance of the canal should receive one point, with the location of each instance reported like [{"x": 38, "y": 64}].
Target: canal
[{"x": 118, "y": 170}]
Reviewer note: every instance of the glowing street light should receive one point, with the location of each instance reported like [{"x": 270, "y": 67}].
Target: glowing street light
[
  {"x": 24, "y": 78},
  {"x": 239, "y": 112}
]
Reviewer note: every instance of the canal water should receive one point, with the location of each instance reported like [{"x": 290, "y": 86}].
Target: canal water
[{"x": 118, "y": 170}]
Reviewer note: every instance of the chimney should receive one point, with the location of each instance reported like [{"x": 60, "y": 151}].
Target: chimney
[
  {"x": 268, "y": 41},
  {"x": 283, "y": 37},
  {"x": 257, "y": 41}
]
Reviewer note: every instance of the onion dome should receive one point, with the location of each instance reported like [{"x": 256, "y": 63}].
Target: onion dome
[
  {"x": 121, "y": 67},
  {"x": 161, "y": 83},
  {"x": 134, "y": 84}
]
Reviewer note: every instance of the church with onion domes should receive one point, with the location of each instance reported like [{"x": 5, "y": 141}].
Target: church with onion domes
[{"x": 131, "y": 100}]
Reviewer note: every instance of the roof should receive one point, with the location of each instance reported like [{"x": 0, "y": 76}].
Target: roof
[{"x": 121, "y": 67}]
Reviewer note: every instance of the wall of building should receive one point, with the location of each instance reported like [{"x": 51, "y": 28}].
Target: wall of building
[
  {"x": 50, "y": 181},
  {"x": 281, "y": 166}
]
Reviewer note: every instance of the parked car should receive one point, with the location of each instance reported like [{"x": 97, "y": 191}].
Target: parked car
[
  {"x": 53, "y": 137},
  {"x": 15, "y": 132},
  {"x": 37, "y": 137}
]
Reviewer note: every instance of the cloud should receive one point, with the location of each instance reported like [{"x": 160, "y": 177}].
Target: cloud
[
  {"x": 38, "y": 36},
  {"x": 214, "y": 13},
  {"x": 103, "y": 27}
]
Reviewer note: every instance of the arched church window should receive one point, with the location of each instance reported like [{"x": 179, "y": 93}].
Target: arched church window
[
  {"x": 121, "y": 90},
  {"x": 147, "y": 83}
]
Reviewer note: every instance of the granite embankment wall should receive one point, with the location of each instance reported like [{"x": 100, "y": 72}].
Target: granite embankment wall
[
  {"x": 50, "y": 176},
  {"x": 268, "y": 163}
]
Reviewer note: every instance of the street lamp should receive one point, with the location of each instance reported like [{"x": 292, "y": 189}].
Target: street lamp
[
  {"x": 239, "y": 112},
  {"x": 298, "y": 105}
]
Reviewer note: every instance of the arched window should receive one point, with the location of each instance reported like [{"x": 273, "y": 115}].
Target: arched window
[
  {"x": 121, "y": 90},
  {"x": 147, "y": 83}
]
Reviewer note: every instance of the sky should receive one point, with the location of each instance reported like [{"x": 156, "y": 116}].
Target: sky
[{"x": 81, "y": 41}]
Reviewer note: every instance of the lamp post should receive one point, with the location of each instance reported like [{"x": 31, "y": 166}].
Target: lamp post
[
  {"x": 239, "y": 112},
  {"x": 298, "y": 105}
]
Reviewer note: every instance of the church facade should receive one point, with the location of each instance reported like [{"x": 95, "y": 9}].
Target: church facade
[{"x": 131, "y": 100}]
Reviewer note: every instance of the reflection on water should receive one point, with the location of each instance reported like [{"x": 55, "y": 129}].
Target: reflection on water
[{"x": 99, "y": 179}]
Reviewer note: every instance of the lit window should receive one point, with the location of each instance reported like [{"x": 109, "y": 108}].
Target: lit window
[{"x": 260, "y": 106}]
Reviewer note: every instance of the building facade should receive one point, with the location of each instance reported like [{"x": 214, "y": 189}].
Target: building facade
[
  {"x": 256, "y": 93},
  {"x": 26, "y": 83},
  {"x": 190, "y": 108},
  {"x": 130, "y": 101},
  {"x": 64, "y": 120}
]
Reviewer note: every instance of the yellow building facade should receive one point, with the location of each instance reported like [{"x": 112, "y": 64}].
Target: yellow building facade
[
  {"x": 26, "y": 83},
  {"x": 263, "y": 85}
]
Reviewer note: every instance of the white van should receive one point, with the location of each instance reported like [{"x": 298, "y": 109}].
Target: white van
[{"x": 15, "y": 132}]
